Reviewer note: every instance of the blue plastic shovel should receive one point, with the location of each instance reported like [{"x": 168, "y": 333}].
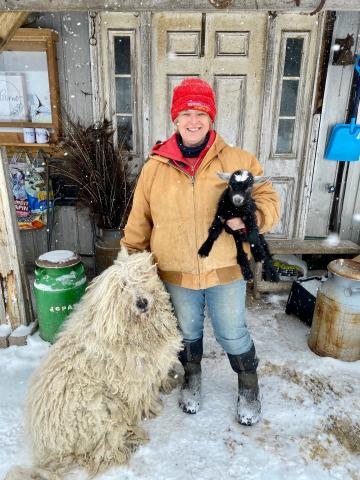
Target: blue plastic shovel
[{"x": 344, "y": 142}]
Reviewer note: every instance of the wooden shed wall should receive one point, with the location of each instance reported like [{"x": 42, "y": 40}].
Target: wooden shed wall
[{"x": 72, "y": 227}]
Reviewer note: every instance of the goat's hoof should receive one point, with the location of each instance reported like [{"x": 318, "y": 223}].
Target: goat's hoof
[
  {"x": 248, "y": 276},
  {"x": 203, "y": 252}
]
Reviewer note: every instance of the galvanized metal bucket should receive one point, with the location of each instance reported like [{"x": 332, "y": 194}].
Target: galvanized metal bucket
[{"x": 335, "y": 331}]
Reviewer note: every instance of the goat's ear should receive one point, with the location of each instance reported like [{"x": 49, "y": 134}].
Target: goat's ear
[
  {"x": 261, "y": 179},
  {"x": 224, "y": 176}
]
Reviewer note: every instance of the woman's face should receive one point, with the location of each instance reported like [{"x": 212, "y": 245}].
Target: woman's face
[{"x": 193, "y": 126}]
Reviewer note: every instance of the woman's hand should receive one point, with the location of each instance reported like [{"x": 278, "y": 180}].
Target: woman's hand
[{"x": 235, "y": 223}]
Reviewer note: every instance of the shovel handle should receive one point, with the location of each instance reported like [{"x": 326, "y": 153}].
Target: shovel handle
[
  {"x": 357, "y": 91},
  {"x": 357, "y": 64}
]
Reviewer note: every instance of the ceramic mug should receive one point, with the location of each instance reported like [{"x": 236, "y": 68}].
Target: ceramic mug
[
  {"x": 42, "y": 135},
  {"x": 29, "y": 135}
]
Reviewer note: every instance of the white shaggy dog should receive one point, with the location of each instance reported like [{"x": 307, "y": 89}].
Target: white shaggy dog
[{"x": 103, "y": 374}]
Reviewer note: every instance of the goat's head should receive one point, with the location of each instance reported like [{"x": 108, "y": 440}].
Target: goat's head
[{"x": 240, "y": 184}]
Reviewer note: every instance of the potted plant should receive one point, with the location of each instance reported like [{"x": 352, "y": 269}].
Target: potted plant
[{"x": 101, "y": 171}]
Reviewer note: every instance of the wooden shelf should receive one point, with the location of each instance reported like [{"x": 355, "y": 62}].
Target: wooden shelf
[
  {"x": 300, "y": 247},
  {"x": 26, "y": 125},
  {"x": 43, "y": 146}
]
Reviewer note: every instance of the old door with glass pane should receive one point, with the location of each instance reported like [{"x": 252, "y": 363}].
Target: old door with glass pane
[
  {"x": 226, "y": 50},
  {"x": 118, "y": 76},
  {"x": 262, "y": 69},
  {"x": 287, "y": 114}
]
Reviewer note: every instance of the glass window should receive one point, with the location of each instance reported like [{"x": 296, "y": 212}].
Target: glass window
[
  {"x": 289, "y": 98},
  {"x": 124, "y": 95},
  {"x": 24, "y": 87},
  {"x": 285, "y": 136},
  {"x": 293, "y": 55},
  {"x": 290, "y": 82},
  {"x": 122, "y": 55},
  {"x": 124, "y": 131}
]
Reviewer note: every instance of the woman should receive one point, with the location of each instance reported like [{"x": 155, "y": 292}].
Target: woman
[{"x": 174, "y": 204}]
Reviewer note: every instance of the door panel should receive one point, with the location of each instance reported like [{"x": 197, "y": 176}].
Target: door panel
[
  {"x": 228, "y": 52},
  {"x": 293, "y": 47}
]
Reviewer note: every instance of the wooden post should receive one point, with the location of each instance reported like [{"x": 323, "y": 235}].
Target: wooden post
[
  {"x": 15, "y": 300},
  {"x": 9, "y": 23}
]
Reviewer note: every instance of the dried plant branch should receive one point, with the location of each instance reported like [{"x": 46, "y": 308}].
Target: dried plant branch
[{"x": 100, "y": 170}]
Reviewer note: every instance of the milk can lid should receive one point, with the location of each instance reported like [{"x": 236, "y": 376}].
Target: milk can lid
[
  {"x": 57, "y": 259},
  {"x": 345, "y": 268}
]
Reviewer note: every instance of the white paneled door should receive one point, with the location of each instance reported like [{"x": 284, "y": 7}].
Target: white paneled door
[
  {"x": 227, "y": 51},
  {"x": 262, "y": 68}
]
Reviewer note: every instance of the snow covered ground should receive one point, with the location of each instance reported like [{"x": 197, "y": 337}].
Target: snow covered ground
[{"x": 311, "y": 413}]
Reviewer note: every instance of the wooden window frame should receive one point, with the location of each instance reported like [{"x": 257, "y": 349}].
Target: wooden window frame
[
  {"x": 285, "y": 35},
  {"x": 112, "y": 34},
  {"x": 36, "y": 40}
]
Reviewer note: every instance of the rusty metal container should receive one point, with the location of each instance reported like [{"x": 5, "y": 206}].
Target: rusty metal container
[{"x": 335, "y": 331}]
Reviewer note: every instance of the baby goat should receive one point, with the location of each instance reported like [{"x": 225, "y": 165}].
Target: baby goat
[{"x": 236, "y": 201}]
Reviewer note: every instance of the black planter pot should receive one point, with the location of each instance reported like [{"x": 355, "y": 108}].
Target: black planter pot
[{"x": 107, "y": 247}]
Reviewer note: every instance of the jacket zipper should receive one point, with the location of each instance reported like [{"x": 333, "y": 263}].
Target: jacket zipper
[{"x": 192, "y": 178}]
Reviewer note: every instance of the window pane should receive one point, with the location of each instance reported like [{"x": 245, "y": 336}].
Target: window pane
[
  {"x": 122, "y": 55},
  {"x": 123, "y": 95},
  {"x": 293, "y": 53},
  {"x": 124, "y": 131},
  {"x": 24, "y": 87},
  {"x": 285, "y": 136},
  {"x": 288, "y": 98}
]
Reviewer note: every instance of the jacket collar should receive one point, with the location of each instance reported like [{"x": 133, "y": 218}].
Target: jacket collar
[{"x": 162, "y": 151}]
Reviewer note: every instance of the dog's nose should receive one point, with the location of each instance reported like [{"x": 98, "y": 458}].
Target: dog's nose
[{"x": 142, "y": 304}]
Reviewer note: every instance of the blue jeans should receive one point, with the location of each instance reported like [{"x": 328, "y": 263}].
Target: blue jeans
[{"x": 226, "y": 308}]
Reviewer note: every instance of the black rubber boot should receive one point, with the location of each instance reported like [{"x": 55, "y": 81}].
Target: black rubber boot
[
  {"x": 248, "y": 403},
  {"x": 190, "y": 393}
]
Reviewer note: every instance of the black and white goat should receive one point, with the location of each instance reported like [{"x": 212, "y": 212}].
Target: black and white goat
[{"x": 236, "y": 201}]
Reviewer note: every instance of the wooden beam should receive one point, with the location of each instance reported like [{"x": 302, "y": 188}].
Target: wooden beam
[
  {"x": 9, "y": 23},
  {"x": 292, "y": 6},
  {"x": 15, "y": 300}
]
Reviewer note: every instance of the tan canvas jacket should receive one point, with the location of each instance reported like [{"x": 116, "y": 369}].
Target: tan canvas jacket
[{"x": 172, "y": 212}]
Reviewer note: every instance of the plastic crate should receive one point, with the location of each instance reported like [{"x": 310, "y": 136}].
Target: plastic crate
[{"x": 301, "y": 302}]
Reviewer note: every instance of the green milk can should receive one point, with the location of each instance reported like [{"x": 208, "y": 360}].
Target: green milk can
[{"x": 60, "y": 282}]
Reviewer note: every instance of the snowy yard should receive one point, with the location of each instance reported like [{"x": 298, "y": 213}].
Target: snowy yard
[{"x": 311, "y": 413}]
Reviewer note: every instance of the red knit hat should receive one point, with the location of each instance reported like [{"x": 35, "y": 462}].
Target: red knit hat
[{"x": 193, "y": 94}]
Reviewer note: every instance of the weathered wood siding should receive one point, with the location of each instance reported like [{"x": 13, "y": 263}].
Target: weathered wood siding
[
  {"x": 15, "y": 304},
  {"x": 73, "y": 60},
  {"x": 72, "y": 227}
]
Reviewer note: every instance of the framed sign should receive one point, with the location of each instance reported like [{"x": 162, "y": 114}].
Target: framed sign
[
  {"x": 13, "y": 98},
  {"x": 29, "y": 90}
]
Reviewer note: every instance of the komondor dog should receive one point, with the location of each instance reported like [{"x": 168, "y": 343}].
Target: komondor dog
[{"x": 103, "y": 374}]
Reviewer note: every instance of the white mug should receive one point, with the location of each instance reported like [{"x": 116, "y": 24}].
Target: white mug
[
  {"x": 42, "y": 135},
  {"x": 29, "y": 135}
]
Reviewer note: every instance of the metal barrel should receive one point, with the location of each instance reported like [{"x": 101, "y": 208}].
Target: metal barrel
[
  {"x": 335, "y": 330},
  {"x": 60, "y": 282}
]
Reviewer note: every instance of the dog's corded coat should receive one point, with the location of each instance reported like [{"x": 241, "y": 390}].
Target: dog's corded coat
[{"x": 103, "y": 374}]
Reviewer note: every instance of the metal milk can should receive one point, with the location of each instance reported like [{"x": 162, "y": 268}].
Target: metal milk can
[
  {"x": 335, "y": 331},
  {"x": 60, "y": 282}
]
